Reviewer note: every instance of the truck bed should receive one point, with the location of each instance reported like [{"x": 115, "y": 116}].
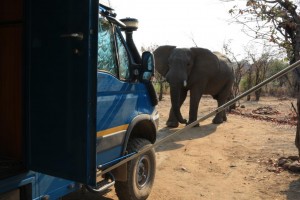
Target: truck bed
[{"x": 9, "y": 167}]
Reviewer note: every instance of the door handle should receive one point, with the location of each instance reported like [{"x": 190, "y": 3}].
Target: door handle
[{"x": 78, "y": 36}]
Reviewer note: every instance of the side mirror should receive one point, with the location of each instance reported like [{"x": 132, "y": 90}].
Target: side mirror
[{"x": 147, "y": 66}]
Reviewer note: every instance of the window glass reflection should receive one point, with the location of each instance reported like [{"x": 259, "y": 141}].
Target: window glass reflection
[
  {"x": 106, "y": 56},
  {"x": 123, "y": 59}
]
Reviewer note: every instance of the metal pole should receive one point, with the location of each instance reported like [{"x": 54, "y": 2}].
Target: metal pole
[{"x": 219, "y": 109}]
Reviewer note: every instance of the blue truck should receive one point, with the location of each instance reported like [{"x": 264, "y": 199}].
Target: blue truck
[{"x": 76, "y": 98}]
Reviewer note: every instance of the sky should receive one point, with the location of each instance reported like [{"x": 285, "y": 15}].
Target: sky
[{"x": 184, "y": 23}]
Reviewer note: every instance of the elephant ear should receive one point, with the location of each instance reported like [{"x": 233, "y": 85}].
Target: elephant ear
[{"x": 161, "y": 56}]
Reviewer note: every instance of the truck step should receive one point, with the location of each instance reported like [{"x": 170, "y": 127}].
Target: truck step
[{"x": 103, "y": 185}]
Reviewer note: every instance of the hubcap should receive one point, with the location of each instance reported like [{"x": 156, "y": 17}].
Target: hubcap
[{"x": 143, "y": 171}]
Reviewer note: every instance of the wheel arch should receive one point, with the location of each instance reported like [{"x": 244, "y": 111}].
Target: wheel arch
[{"x": 141, "y": 126}]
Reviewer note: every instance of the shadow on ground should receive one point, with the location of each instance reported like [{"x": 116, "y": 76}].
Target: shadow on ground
[
  {"x": 190, "y": 134},
  {"x": 83, "y": 194},
  {"x": 293, "y": 193}
]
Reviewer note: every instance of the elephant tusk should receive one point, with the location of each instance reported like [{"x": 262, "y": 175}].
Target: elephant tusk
[{"x": 184, "y": 83}]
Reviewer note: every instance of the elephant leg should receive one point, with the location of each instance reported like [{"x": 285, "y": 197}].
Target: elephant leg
[
  {"x": 222, "y": 97},
  {"x": 172, "y": 121},
  {"x": 221, "y": 116},
  {"x": 195, "y": 98}
]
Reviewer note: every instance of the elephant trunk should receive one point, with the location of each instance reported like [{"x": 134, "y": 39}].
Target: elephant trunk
[{"x": 175, "y": 101}]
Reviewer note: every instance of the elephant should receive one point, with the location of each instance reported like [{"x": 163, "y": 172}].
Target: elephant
[{"x": 198, "y": 71}]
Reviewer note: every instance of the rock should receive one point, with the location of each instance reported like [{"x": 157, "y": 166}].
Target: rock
[
  {"x": 272, "y": 169},
  {"x": 282, "y": 161},
  {"x": 184, "y": 169},
  {"x": 294, "y": 158},
  {"x": 295, "y": 167},
  {"x": 232, "y": 165}
]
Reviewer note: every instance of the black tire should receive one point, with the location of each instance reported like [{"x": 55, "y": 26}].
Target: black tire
[{"x": 140, "y": 173}]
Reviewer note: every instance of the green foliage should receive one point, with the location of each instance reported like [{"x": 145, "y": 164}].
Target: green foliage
[
  {"x": 278, "y": 87},
  {"x": 278, "y": 22},
  {"x": 275, "y": 21},
  {"x": 243, "y": 84},
  {"x": 165, "y": 87},
  {"x": 276, "y": 66}
]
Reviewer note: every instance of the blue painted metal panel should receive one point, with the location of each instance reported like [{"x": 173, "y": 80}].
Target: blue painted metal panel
[
  {"x": 61, "y": 81},
  {"x": 41, "y": 185},
  {"x": 109, "y": 155},
  {"x": 54, "y": 187},
  {"x": 18, "y": 181},
  {"x": 118, "y": 103}
]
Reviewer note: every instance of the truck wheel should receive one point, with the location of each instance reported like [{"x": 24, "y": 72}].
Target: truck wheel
[{"x": 140, "y": 172}]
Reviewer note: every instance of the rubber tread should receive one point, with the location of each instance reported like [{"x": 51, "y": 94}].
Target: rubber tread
[{"x": 125, "y": 190}]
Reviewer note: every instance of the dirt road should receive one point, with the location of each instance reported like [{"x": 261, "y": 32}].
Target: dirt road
[{"x": 234, "y": 160}]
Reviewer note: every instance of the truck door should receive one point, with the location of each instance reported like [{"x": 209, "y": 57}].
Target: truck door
[{"x": 61, "y": 76}]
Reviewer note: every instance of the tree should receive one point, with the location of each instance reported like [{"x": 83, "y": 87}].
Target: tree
[
  {"x": 249, "y": 81},
  {"x": 239, "y": 68},
  {"x": 282, "y": 85},
  {"x": 158, "y": 78},
  {"x": 257, "y": 71},
  {"x": 260, "y": 68},
  {"x": 275, "y": 21},
  {"x": 278, "y": 22}
]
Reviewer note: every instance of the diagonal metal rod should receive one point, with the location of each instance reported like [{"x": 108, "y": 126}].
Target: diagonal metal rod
[{"x": 219, "y": 109}]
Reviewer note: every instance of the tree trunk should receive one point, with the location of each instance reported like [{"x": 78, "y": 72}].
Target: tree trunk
[
  {"x": 248, "y": 97},
  {"x": 160, "y": 91},
  {"x": 249, "y": 82},
  {"x": 297, "y": 138},
  {"x": 257, "y": 94},
  {"x": 296, "y": 45}
]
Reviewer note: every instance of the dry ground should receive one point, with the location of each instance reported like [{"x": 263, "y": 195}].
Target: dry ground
[{"x": 234, "y": 160}]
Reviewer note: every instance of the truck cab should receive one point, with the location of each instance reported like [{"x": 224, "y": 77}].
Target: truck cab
[{"x": 76, "y": 98}]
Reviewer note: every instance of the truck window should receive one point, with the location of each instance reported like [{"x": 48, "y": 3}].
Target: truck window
[
  {"x": 123, "y": 58},
  {"x": 106, "y": 50}
]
